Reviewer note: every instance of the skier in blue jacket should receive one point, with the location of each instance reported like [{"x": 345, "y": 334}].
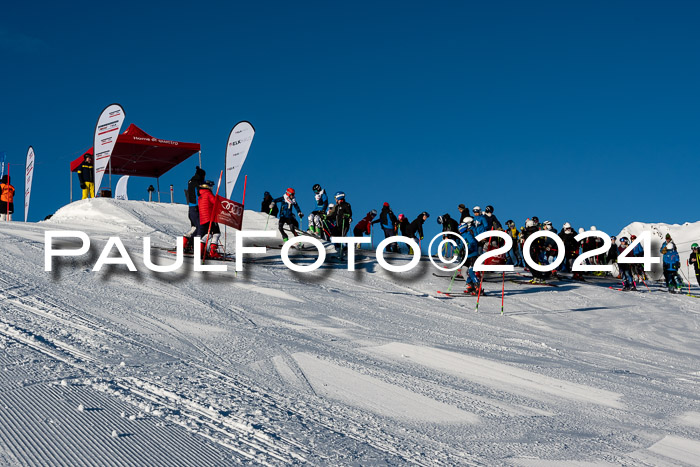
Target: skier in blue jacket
[
  {"x": 672, "y": 263},
  {"x": 466, "y": 229},
  {"x": 289, "y": 203}
]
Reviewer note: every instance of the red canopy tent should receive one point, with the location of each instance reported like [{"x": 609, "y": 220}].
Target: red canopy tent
[{"x": 140, "y": 154}]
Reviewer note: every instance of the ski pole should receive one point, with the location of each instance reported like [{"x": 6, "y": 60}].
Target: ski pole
[
  {"x": 213, "y": 214},
  {"x": 268, "y": 217},
  {"x": 449, "y": 289},
  {"x": 503, "y": 291},
  {"x": 481, "y": 281}
]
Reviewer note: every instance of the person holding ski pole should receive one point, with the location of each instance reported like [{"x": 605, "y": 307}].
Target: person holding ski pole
[
  {"x": 672, "y": 264},
  {"x": 417, "y": 228},
  {"x": 694, "y": 259},
  {"x": 467, "y": 270},
  {"x": 289, "y": 203},
  {"x": 389, "y": 223},
  {"x": 206, "y": 206},
  {"x": 626, "y": 269},
  {"x": 315, "y": 222}
]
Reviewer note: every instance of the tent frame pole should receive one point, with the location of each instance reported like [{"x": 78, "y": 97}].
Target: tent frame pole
[{"x": 158, "y": 187}]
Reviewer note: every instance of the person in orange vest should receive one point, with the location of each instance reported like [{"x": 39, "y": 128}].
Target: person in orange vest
[
  {"x": 7, "y": 194},
  {"x": 86, "y": 175}
]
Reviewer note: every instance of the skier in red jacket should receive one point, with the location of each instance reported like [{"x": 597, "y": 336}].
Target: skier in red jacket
[{"x": 206, "y": 210}]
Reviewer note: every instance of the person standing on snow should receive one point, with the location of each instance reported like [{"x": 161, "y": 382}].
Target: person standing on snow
[
  {"x": 193, "y": 207},
  {"x": 266, "y": 202},
  {"x": 625, "y": 269},
  {"x": 694, "y": 259},
  {"x": 417, "y": 228},
  {"x": 515, "y": 253},
  {"x": 7, "y": 196},
  {"x": 342, "y": 214},
  {"x": 206, "y": 212},
  {"x": 467, "y": 270},
  {"x": 315, "y": 221},
  {"x": 289, "y": 203},
  {"x": 571, "y": 248},
  {"x": 365, "y": 225},
  {"x": 672, "y": 263},
  {"x": 449, "y": 225},
  {"x": 388, "y": 222},
  {"x": 86, "y": 176},
  {"x": 463, "y": 213},
  {"x": 404, "y": 228},
  {"x": 492, "y": 222},
  {"x": 537, "y": 249}
]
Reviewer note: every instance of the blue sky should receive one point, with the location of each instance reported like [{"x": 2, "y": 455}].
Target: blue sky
[{"x": 586, "y": 112}]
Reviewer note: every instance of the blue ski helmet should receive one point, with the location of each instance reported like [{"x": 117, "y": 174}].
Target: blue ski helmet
[{"x": 340, "y": 195}]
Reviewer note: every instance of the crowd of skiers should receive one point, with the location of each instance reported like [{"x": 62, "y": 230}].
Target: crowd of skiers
[{"x": 333, "y": 217}]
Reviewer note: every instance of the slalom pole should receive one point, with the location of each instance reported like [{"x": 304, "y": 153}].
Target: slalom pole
[
  {"x": 481, "y": 280},
  {"x": 7, "y": 216},
  {"x": 687, "y": 263},
  {"x": 211, "y": 221},
  {"x": 503, "y": 291}
]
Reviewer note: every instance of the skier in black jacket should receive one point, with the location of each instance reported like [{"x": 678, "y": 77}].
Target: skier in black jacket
[
  {"x": 389, "y": 223},
  {"x": 266, "y": 203},
  {"x": 417, "y": 227},
  {"x": 193, "y": 208},
  {"x": 694, "y": 259},
  {"x": 448, "y": 224},
  {"x": 571, "y": 246},
  {"x": 86, "y": 175},
  {"x": 492, "y": 222}
]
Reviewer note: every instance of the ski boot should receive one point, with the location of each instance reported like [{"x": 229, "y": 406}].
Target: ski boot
[{"x": 214, "y": 251}]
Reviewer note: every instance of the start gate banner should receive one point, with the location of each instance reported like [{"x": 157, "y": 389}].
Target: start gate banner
[{"x": 228, "y": 212}]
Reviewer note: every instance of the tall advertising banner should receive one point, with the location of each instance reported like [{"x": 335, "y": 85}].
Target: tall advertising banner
[
  {"x": 29, "y": 175},
  {"x": 2, "y": 163},
  {"x": 239, "y": 141},
  {"x": 120, "y": 191},
  {"x": 106, "y": 133}
]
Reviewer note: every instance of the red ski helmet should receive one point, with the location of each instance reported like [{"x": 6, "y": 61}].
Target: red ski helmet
[{"x": 290, "y": 192}]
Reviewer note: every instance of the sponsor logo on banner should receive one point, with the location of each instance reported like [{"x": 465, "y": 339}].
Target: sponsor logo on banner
[
  {"x": 239, "y": 141},
  {"x": 106, "y": 133},
  {"x": 228, "y": 212}
]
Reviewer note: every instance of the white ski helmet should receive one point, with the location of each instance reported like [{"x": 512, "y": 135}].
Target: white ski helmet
[
  {"x": 580, "y": 230},
  {"x": 593, "y": 228},
  {"x": 468, "y": 220},
  {"x": 529, "y": 223}
]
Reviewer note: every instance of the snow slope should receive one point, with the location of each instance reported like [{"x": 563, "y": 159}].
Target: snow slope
[{"x": 333, "y": 367}]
